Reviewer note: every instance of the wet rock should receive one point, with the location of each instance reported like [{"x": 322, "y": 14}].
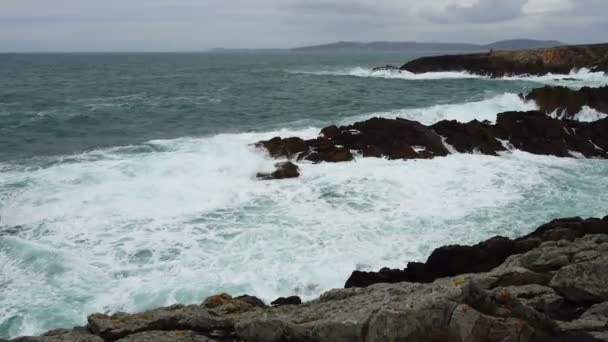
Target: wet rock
[
  {"x": 293, "y": 300},
  {"x": 537, "y": 133},
  {"x": 453, "y": 260},
  {"x": 283, "y": 171},
  {"x": 288, "y": 147},
  {"x": 471, "y": 137},
  {"x": 554, "y": 291},
  {"x": 532, "y": 131},
  {"x": 568, "y": 102},
  {"x": 557, "y": 60}
]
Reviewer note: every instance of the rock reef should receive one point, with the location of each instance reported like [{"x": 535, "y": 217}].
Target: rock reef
[
  {"x": 533, "y": 132},
  {"x": 567, "y": 102},
  {"x": 556, "y": 60},
  {"x": 547, "y": 286}
]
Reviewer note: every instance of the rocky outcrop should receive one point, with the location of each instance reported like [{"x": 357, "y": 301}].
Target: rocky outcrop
[
  {"x": 557, "y": 60},
  {"x": 533, "y": 132},
  {"x": 568, "y": 102},
  {"x": 546, "y": 286},
  {"x": 452, "y": 260},
  {"x": 283, "y": 170}
]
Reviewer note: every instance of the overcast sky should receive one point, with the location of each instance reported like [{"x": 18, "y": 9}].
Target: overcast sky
[{"x": 176, "y": 25}]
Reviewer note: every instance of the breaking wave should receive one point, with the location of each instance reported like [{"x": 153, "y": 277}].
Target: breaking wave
[{"x": 582, "y": 77}]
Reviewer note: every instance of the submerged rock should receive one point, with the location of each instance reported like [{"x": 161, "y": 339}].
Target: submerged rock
[
  {"x": 556, "y": 60},
  {"x": 283, "y": 171},
  {"x": 386, "y": 68}
]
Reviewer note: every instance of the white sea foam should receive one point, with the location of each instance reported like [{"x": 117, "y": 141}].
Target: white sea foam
[
  {"x": 114, "y": 230},
  {"x": 588, "y": 114},
  {"x": 575, "y": 79},
  {"x": 463, "y": 112}
]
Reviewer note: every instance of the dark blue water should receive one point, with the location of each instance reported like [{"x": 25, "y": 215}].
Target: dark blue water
[{"x": 60, "y": 104}]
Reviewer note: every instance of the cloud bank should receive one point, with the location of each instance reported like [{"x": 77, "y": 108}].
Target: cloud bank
[{"x": 194, "y": 25}]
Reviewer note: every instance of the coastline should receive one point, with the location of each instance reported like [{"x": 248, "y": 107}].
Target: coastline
[{"x": 549, "y": 287}]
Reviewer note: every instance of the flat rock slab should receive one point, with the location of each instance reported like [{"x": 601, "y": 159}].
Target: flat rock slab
[
  {"x": 167, "y": 336},
  {"x": 61, "y": 335}
]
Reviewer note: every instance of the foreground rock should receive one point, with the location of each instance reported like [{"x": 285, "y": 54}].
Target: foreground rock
[
  {"x": 453, "y": 260},
  {"x": 533, "y": 132},
  {"x": 568, "y": 102},
  {"x": 557, "y": 60},
  {"x": 547, "y": 286}
]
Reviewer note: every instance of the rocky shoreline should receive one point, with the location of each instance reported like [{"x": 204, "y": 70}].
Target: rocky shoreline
[
  {"x": 550, "y": 285},
  {"x": 557, "y": 60},
  {"x": 547, "y": 286},
  {"x": 551, "y": 130}
]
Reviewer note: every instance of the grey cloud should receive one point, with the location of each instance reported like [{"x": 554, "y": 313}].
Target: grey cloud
[
  {"x": 161, "y": 25},
  {"x": 484, "y": 11}
]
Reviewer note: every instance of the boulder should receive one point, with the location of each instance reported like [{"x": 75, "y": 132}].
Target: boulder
[
  {"x": 567, "y": 101},
  {"x": 583, "y": 281},
  {"x": 293, "y": 300},
  {"x": 283, "y": 171}
]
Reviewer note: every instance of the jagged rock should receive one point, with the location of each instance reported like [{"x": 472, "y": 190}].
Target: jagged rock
[
  {"x": 168, "y": 336},
  {"x": 63, "y": 335},
  {"x": 594, "y": 319},
  {"x": 452, "y": 260},
  {"x": 557, "y": 60},
  {"x": 471, "y": 137},
  {"x": 568, "y": 101},
  {"x": 549, "y": 289},
  {"x": 278, "y": 147},
  {"x": 537, "y": 133},
  {"x": 293, "y": 300},
  {"x": 283, "y": 171},
  {"x": 532, "y": 131}
]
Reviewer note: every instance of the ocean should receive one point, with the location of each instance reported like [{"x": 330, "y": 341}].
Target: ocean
[{"x": 127, "y": 181}]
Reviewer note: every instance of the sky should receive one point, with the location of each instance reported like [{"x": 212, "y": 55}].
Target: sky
[{"x": 194, "y": 25}]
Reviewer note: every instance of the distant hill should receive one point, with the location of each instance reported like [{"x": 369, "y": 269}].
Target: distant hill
[
  {"x": 523, "y": 44},
  {"x": 513, "y": 44}
]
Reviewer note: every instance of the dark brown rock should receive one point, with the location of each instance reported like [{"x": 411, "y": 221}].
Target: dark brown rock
[
  {"x": 293, "y": 300},
  {"x": 483, "y": 257},
  {"x": 252, "y": 300},
  {"x": 569, "y": 101},
  {"x": 557, "y": 60},
  {"x": 471, "y": 137},
  {"x": 288, "y": 147},
  {"x": 283, "y": 171}
]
